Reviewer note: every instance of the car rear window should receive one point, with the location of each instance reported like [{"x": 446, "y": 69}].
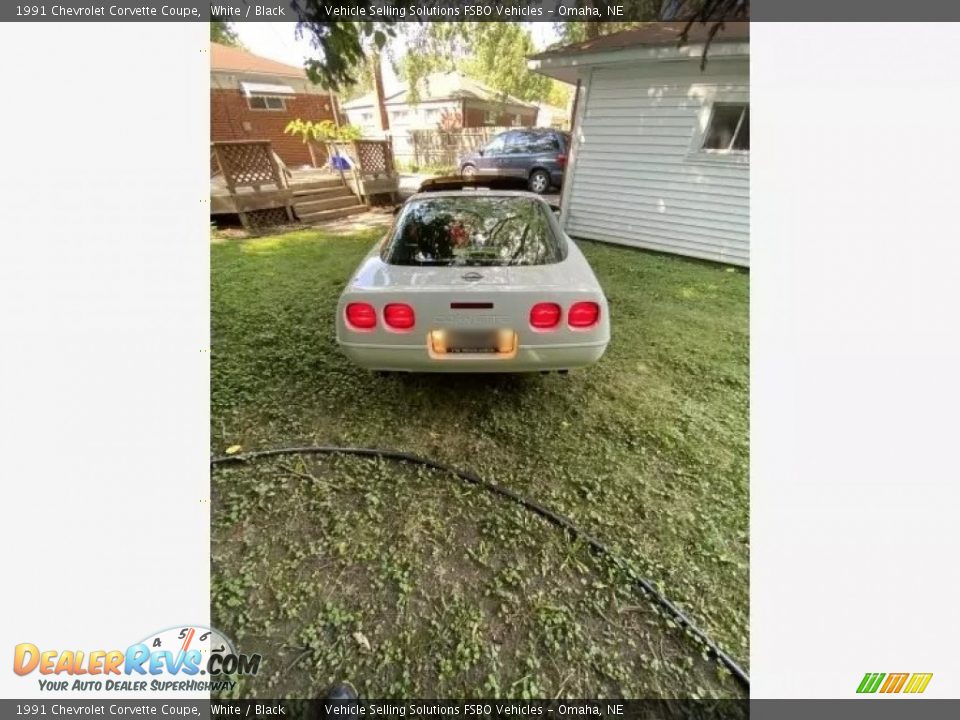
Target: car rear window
[{"x": 473, "y": 231}]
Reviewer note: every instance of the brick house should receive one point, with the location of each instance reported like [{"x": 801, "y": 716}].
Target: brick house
[{"x": 253, "y": 98}]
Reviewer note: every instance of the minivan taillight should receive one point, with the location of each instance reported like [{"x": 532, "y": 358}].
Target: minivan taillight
[
  {"x": 544, "y": 316},
  {"x": 361, "y": 316},
  {"x": 399, "y": 316},
  {"x": 561, "y": 160},
  {"x": 583, "y": 314}
]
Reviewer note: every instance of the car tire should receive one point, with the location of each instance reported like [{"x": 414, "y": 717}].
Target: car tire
[
  {"x": 539, "y": 182},
  {"x": 468, "y": 171}
]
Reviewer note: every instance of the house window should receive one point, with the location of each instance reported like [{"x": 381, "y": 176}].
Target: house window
[
  {"x": 266, "y": 102},
  {"x": 398, "y": 115},
  {"x": 366, "y": 117},
  {"x": 516, "y": 120},
  {"x": 490, "y": 117},
  {"x": 729, "y": 128}
]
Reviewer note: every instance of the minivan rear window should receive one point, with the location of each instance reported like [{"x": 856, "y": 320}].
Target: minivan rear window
[{"x": 463, "y": 230}]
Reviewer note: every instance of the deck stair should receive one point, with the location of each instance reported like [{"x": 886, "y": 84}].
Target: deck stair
[{"x": 322, "y": 199}]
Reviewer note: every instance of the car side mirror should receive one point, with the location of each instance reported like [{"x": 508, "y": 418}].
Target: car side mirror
[
  {"x": 555, "y": 208},
  {"x": 480, "y": 152}
]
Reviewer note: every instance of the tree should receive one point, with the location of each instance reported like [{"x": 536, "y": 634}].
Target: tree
[
  {"x": 560, "y": 94},
  {"x": 493, "y": 53},
  {"x": 222, "y": 32},
  {"x": 574, "y": 32},
  {"x": 499, "y": 60},
  {"x": 363, "y": 83},
  {"x": 705, "y": 12},
  {"x": 340, "y": 44},
  {"x": 712, "y": 13}
]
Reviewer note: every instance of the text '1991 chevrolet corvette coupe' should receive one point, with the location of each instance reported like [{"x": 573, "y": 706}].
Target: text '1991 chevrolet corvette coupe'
[{"x": 474, "y": 281}]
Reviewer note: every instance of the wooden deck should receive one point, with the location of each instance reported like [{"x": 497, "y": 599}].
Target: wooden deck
[
  {"x": 250, "y": 180},
  {"x": 267, "y": 196}
]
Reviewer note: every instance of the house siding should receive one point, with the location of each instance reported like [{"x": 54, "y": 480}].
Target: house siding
[
  {"x": 476, "y": 115},
  {"x": 232, "y": 119},
  {"x": 472, "y": 114},
  {"x": 638, "y": 177}
]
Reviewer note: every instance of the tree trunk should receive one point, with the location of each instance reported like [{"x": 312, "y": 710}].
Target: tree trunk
[{"x": 378, "y": 91}]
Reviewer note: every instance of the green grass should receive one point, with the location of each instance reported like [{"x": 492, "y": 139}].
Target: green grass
[{"x": 410, "y": 583}]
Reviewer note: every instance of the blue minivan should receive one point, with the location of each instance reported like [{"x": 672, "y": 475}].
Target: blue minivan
[{"x": 537, "y": 156}]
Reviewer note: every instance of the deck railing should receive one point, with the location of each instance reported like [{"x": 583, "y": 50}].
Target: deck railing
[
  {"x": 248, "y": 163},
  {"x": 252, "y": 164},
  {"x": 371, "y": 170}
]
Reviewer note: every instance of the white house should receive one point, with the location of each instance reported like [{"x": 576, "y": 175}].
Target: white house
[
  {"x": 470, "y": 101},
  {"x": 661, "y": 148}
]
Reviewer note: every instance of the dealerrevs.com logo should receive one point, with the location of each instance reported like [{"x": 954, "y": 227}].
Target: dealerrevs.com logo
[{"x": 182, "y": 659}]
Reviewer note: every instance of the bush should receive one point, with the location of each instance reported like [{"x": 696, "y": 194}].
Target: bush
[{"x": 321, "y": 131}]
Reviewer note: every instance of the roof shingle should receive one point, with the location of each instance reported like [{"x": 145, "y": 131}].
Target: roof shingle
[{"x": 230, "y": 59}]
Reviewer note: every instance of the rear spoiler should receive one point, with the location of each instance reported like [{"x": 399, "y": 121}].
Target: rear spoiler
[{"x": 455, "y": 182}]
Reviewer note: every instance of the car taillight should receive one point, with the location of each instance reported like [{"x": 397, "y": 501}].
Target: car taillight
[
  {"x": 361, "y": 316},
  {"x": 544, "y": 316},
  {"x": 583, "y": 314},
  {"x": 399, "y": 316},
  {"x": 561, "y": 160}
]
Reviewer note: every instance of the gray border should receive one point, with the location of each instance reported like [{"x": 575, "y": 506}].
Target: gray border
[
  {"x": 891, "y": 708},
  {"x": 280, "y": 10},
  {"x": 854, "y": 11},
  {"x": 872, "y": 708}
]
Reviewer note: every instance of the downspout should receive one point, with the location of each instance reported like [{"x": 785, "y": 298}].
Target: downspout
[
  {"x": 573, "y": 109},
  {"x": 577, "y": 122}
]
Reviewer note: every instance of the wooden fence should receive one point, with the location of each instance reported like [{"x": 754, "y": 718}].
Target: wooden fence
[{"x": 440, "y": 148}]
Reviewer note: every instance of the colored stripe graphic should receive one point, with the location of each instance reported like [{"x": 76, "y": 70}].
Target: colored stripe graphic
[
  {"x": 870, "y": 682},
  {"x": 894, "y": 683},
  {"x": 918, "y": 682},
  {"x": 186, "y": 641}
]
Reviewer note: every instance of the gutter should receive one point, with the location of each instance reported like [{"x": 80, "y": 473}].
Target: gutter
[{"x": 644, "y": 53}]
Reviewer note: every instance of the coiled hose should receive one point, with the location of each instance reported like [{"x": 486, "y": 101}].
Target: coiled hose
[{"x": 561, "y": 521}]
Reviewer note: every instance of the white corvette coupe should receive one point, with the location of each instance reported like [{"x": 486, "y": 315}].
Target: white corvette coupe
[{"x": 474, "y": 280}]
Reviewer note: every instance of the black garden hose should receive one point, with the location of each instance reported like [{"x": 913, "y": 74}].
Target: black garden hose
[{"x": 561, "y": 521}]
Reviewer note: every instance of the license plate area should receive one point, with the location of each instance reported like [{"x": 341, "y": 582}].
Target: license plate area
[{"x": 451, "y": 343}]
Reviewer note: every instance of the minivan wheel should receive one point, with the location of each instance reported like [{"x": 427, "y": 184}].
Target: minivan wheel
[
  {"x": 468, "y": 171},
  {"x": 539, "y": 181}
]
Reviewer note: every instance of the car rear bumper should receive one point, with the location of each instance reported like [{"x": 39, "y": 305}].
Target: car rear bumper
[{"x": 531, "y": 358}]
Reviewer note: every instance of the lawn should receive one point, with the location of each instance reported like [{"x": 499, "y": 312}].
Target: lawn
[{"x": 409, "y": 583}]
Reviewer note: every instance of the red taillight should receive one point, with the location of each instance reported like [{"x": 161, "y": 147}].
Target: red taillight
[
  {"x": 561, "y": 160},
  {"x": 544, "y": 316},
  {"x": 583, "y": 314},
  {"x": 361, "y": 316},
  {"x": 399, "y": 316}
]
